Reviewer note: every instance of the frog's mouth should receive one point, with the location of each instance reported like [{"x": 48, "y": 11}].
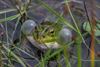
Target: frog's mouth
[{"x": 49, "y": 41}]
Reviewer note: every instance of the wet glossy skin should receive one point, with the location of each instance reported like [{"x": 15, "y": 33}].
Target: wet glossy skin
[
  {"x": 50, "y": 33},
  {"x": 44, "y": 33},
  {"x": 28, "y": 27}
]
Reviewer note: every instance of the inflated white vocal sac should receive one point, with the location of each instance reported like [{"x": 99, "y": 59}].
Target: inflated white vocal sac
[
  {"x": 28, "y": 27},
  {"x": 64, "y": 36}
]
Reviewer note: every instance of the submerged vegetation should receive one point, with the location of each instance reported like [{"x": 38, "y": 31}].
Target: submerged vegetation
[{"x": 49, "y": 33}]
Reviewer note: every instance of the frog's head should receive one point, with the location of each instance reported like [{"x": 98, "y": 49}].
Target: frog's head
[{"x": 45, "y": 32}]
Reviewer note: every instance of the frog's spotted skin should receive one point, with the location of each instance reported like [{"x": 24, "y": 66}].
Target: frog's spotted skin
[{"x": 46, "y": 33}]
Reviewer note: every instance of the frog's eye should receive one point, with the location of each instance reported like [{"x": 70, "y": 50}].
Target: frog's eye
[
  {"x": 52, "y": 31},
  {"x": 64, "y": 36},
  {"x": 28, "y": 26}
]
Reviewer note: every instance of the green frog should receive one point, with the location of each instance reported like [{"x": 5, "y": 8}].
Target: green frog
[
  {"x": 47, "y": 32},
  {"x": 51, "y": 34}
]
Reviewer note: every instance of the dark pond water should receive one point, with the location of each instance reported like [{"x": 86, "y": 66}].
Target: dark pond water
[{"x": 40, "y": 14}]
